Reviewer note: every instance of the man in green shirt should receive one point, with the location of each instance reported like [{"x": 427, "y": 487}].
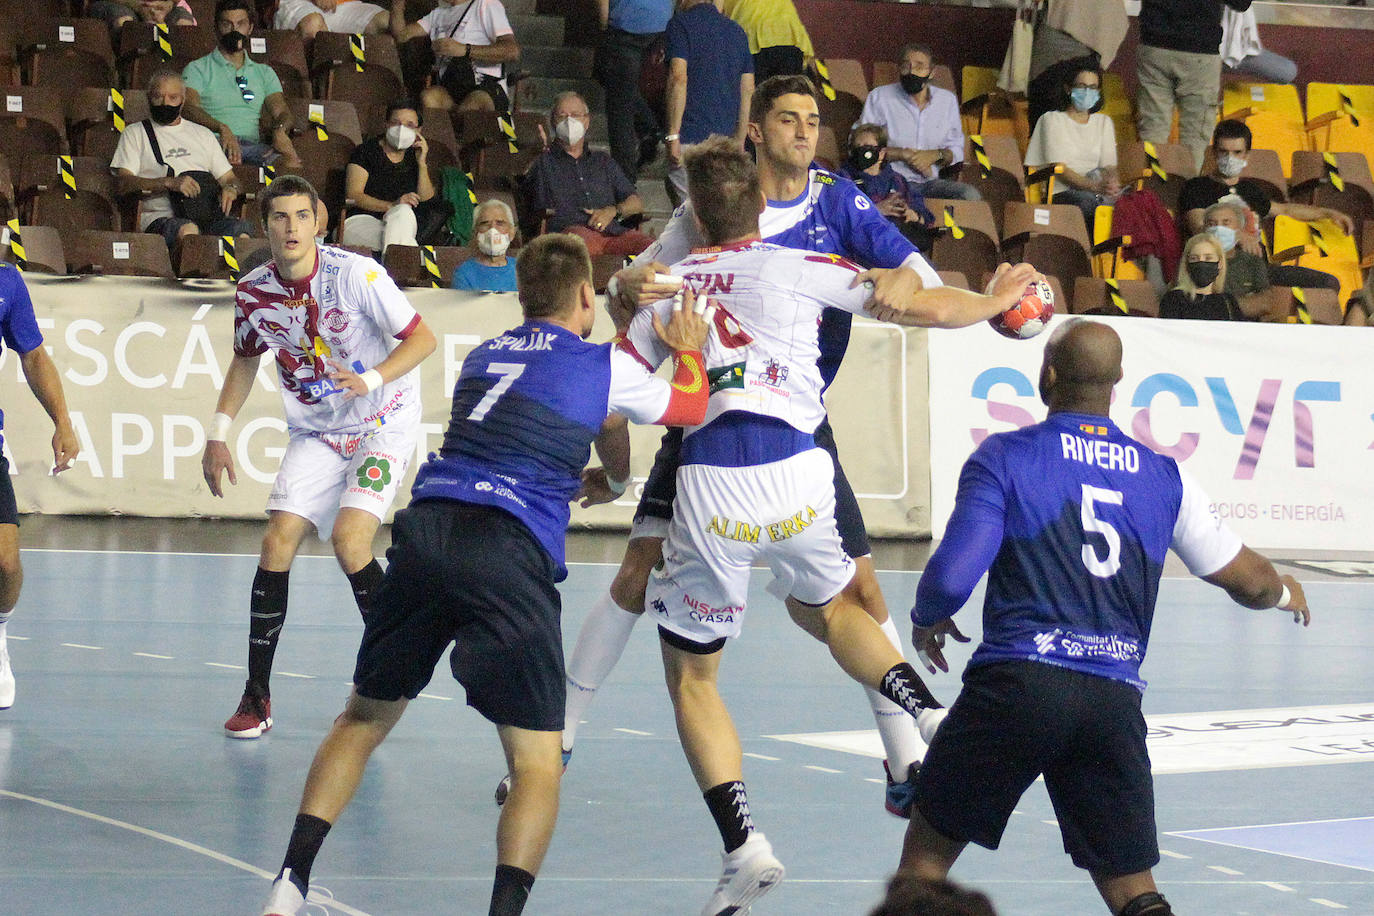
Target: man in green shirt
[
  {"x": 1247, "y": 275},
  {"x": 228, "y": 92}
]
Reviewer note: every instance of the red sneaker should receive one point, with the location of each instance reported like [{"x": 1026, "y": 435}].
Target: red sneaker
[{"x": 252, "y": 718}]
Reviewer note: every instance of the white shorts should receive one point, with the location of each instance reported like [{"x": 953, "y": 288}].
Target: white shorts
[
  {"x": 725, "y": 519},
  {"x": 352, "y": 17},
  {"x": 315, "y": 481}
]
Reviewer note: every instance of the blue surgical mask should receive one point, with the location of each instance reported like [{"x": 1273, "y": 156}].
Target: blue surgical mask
[
  {"x": 1225, "y": 236},
  {"x": 1084, "y": 99}
]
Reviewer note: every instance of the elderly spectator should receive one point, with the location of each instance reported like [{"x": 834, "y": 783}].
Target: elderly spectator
[
  {"x": 866, "y": 165},
  {"x": 1081, "y": 137},
  {"x": 1247, "y": 275},
  {"x": 158, "y": 12},
  {"x": 153, "y": 160},
  {"x": 1178, "y": 64},
  {"x": 472, "y": 43},
  {"x": 489, "y": 270},
  {"x": 777, "y": 38},
  {"x": 310, "y": 18},
  {"x": 629, "y": 27},
  {"x": 391, "y": 193},
  {"x": 710, "y": 82},
  {"x": 583, "y": 191},
  {"x": 923, "y": 125},
  {"x": 227, "y": 91},
  {"x": 1201, "y": 288}
]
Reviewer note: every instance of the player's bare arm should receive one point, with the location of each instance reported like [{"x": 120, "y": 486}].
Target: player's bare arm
[
  {"x": 607, "y": 483},
  {"x": 238, "y": 382},
  {"x": 949, "y": 307},
  {"x": 1251, "y": 581},
  {"x": 407, "y": 355},
  {"x": 46, "y": 386},
  {"x": 635, "y": 287}
]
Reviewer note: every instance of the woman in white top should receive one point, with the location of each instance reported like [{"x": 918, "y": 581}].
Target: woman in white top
[{"x": 1084, "y": 140}]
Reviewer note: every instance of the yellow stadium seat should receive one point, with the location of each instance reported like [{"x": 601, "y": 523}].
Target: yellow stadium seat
[
  {"x": 1323, "y": 247},
  {"x": 1275, "y": 130},
  {"x": 1275, "y": 97},
  {"x": 1107, "y": 259}
]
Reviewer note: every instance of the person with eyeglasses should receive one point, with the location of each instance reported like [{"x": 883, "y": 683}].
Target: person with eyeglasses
[
  {"x": 229, "y": 92},
  {"x": 1083, "y": 139}
]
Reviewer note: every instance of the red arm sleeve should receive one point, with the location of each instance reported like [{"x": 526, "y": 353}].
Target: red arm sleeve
[{"x": 690, "y": 392}]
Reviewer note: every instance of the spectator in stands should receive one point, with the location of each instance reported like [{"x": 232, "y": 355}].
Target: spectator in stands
[
  {"x": 489, "y": 270},
  {"x": 310, "y": 18},
  {"x": 472, "y": 43},
  {"x": 1178, "y": 63},
  {"x": 227, "y": 91},
  {"x": 923, "y": 125},
  {"x": 867, "y": 166},
  {"x": 1081, "y": 137},
  {"x": 777, "y": 38},
  {"x": 169, "y": 155},
  {"x": 628, "y": 29},
  {"x": 1070, "y": 29},
  {"x": 1230, "y": 149},
  {"x": 1242, "y": 53},
  {"x": 710, "y": 83},
  {"x": 158, "y": 12},
  {"x": 1247, "y": 275},
  {"x": 391, "y": 192},
  {"x": 908, "y": 895},
  {"x": 1201, "y": 288},
  {"x": 581, "y": 190}
]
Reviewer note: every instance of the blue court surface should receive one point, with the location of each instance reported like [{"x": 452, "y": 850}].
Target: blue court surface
[{"x": 119, "y": 793}]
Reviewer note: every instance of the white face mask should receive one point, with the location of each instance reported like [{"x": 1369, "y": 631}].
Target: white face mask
[
  {"x": 401, "y": 137},
  {"x": 1230, "y": 164},
  {"x": 493, "y": 243},
  {"x": 570, "y": 131}
]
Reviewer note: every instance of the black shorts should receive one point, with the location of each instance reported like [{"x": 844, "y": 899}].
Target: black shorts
[
  {"x": 660, "y": 489},
  {"x": 1014, "y": 721},
  {"x": 473, "y": 576},
  {"x": 9, "y": 512}
]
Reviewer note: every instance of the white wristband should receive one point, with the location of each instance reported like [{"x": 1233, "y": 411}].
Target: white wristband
[
  {"x": 617, "y": 487},
  {"x": 219, "y": 427},
  {"x": 372, "y": 379},
  {"x": 1285, "y": 598}
]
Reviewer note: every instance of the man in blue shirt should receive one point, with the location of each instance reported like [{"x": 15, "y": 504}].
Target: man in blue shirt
[
  {"x": 1071, "y": 519},
  {"x": 629, "y": 27},
  {"x": 476, "y": 556},
  {"x": 710, "y": 81},
  {"x": 19, "y": 330}
]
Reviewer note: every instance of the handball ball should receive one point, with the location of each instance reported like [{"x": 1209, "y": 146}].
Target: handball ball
[{"x": 1029, "y": 315}]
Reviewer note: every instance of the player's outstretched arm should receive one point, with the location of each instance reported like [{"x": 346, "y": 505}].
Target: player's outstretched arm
[
  {"x": 238, "y": 382},
  {"x": 949, "y": 307},
  {"x": 1251, "y": 581},
  {"x": 46, "y": 385}
]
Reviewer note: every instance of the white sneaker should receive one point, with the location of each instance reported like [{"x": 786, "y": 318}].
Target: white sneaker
[
  {"x": 286, "y": 899},
  {"x": 6, "y": 676},
  {"x": 746, "y": 875},
  {"x": 928, "y": 722}
]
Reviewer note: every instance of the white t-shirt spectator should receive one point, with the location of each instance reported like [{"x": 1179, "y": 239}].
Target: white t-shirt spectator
[
  {"x": 483, "y": 21},
  {"x": 1082, "y": 147},
  {"x": 186, "y": 147}
]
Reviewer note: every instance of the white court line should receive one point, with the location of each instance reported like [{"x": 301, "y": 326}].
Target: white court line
[
  {"x": 1278, "y": 887},
  {"x": 176, "y": 841},
  {"x": 822, "y": 769},
  {"x": 1184, "y": 835},
  {"x": 430, "y": 696},
  {"x": 1224, "y": 870},
  {"x": 1173, "y": 855},
  {"x": 1328, "y": 903},
  {"x": 761, "y": 756},
  {"x": 151, "y": 655},
  {"x": 308, "y": 677},
  {"x": 77, "y": 645},
  {"x": 635, "y": 731},
  {"x": 871, "y": 779},
  {"x": 223, "y": 665},
  {"x": 20, "y": 638}
]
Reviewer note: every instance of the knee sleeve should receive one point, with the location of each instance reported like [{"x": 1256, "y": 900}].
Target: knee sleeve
[{"x": 1147, "y": 904}]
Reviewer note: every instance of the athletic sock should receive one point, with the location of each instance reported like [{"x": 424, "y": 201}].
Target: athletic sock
[
  {"x": 903, "y": 686},
  {"x": 267, "y": 613},
  {"x": 896, "y": 728},
  {"x": 510, "y": 890},
  {"x": 306, "y": 839},
  {"x": 729, "y": 805},
  {"x": 365, "y": 582},
  {"x": 600, "y": 644},
  {"x": 5, "y": 622}
]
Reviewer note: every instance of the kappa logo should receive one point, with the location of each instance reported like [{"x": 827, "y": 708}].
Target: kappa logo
[{"x": 375, "y": 474}]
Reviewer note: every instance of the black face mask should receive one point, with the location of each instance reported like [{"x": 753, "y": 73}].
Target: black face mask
[
  {"x": 164, "y": 114},
  {"x": 864, "y": 157},
  {"x": 1203, "y": 273},
  {"x": 912, "y": 84},
  {"x": 232, "y": 41}
]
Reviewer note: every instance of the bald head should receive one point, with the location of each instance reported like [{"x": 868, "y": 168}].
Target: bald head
[{"x": 1082, "y": 364}]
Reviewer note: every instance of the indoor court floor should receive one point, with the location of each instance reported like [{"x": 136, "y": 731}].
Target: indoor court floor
[{"x": 119, "y": 793}]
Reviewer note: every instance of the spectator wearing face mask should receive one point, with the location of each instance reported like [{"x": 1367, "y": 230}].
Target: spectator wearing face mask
[
  {"x": 923, "y": 124},
  {"x": 1083, "y": 139},
  {"x": 1247, "y": 275},
  {"x": 867, "y": 166},
  {"x": 489, "y": 270},
  {"x": 583, "y": 191},
  {"x": 392, "y": 199},
  {"x": 158, "y": 12},
  {"x": 1200, "y": 292}
]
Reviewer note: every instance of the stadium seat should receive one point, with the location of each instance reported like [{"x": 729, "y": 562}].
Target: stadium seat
[
  {"x": 828, "y": 151},
  {"x": 339, "y": 118},
  {"x": 67, "y": 53},
  {"x": 1341, "y": 117},
  {"x": 1117, "y": 105},
  {"x": 966, "y": 238},
  {"x": 1276, "y": 97},
  {"x": 43, "y": 252},
  {"x": 7, "y": 191},
  {"x": 1320, "y": 246},
  {"x": 1317, "y": 306},
  {"x": 32, "y": 123},
  {"x": 1273, "y": 129},
  {"x": 953, "y": 279},
  {"x": 91, "y": 128},
  {"x": 1263, "y": 166},
  {"x": 127, "y": 254},
  {"x": 1108, "y": 251},
  {"x": 138, "y": 55},
  {"x": 330, "y": 49},
  {"x": 70, "y": 212},
  {"x": 406, "y": 265},
  {"x": 202, "y": 256},
  {"x": 1095, "y": 296},
  {"x": 370, "y": 92},
  {"x": 1134, "y": 164},
  {"x": 283, "y": 51},
  {"x": 1352, "y": 169},
  {"x": 847, "y": 75},
  {"x": 1050, "y": 236},
  {"x": 1001, "y": 179}
]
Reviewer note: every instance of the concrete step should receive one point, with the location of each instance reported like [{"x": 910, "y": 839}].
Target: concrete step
[
  {"x": 537, "y": 93},
  {"x": 521, "y": 7},
  {"x": 545, "y": 60},
  {"x": 538, "y": 30}
]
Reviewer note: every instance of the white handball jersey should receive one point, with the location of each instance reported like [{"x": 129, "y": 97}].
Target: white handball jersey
[
  {"x": 762, "y": 352},
  {"x": 348, "y": 310}
]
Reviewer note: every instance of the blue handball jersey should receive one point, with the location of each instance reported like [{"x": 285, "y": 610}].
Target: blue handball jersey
[
  {"x": 526, "y": 408},
  {"x": 830, "y": 216},
  {"x": 18, "y": 326},
  {"x": 1072, "y": 520}
]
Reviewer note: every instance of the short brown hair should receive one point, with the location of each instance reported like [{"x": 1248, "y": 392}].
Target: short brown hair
[
  {"x": 548, "y": 273},
  {"x": 878, "y": 131},
  {"x": 771, "y": 89},
  {"x": 724, "y": 187},
  {"x": 286, "y": 186}
]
